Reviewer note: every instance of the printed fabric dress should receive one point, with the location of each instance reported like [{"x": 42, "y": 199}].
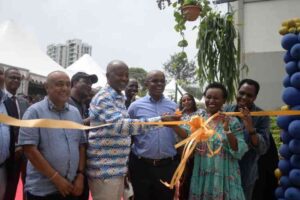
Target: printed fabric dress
[{"x": 218, "y": 177}]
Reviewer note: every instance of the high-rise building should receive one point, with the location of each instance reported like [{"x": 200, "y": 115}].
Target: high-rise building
[{"x": 67, "y": 54}]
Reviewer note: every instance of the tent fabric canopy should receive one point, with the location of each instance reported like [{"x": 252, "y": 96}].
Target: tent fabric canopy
[
  {"x": 20, "y": 49},
  {"x": 88, "y": 65}
]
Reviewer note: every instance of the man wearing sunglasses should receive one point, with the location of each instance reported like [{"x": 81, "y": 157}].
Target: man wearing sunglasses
[{"x": 260, "y": 141}]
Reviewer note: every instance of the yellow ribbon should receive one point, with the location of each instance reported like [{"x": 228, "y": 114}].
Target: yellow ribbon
[
  {"x": 45, "y": 123},
  {"x": 202, "y": 132},
  {"x": 199, "y": 128},
  {"x": 51, "y": 123}
]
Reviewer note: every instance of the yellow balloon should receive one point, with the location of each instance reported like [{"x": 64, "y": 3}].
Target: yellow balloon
[
  {"x": 283, "y": 30},
  {"x": 286, "y": 107},
  {"x": 277, "y": 173}
]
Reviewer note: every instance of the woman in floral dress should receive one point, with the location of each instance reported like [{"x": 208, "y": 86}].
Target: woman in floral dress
[{"x": 217, "y": 177}]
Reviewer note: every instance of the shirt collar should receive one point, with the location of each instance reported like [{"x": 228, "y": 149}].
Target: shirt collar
[
  {"x": 153, "y": 100},
  {"x": 8, "y": 94},
  {"x": 114, "y": 93},
  {"x": 51, "y": 105}
]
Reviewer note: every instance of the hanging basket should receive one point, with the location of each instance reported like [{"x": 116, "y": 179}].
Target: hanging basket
[{"x": 191, "y": 12}]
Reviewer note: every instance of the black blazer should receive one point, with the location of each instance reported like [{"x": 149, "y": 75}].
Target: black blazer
[{"x": 9, "y": 104}]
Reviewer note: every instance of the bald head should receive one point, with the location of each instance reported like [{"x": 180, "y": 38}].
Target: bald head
[
  {"x": 155, "y": 83},
  {"x": 58, "y": 87},
  {"x": 117, "y": 75},
  {"x": 53, "y": 76},
  {"x": 115, "y": 65}
]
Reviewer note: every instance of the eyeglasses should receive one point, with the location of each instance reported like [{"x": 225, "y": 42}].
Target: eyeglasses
[
  {"x": 18, "y": 78},
  {"x": 242, "y": 93}
]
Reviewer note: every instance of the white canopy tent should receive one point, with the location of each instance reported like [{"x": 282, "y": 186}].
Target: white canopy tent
[
  {"x": 20, "y": 49},
  {"x": 88, "y": 65},
  {"x": 171, "y": 92}
]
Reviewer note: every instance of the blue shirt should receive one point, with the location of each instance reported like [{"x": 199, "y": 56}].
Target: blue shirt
[
  {"x": 248, "y": 163},
  {"x": 60, "y": 147},
  {"x": 109, "y": 147},
  {"x": 158, "y": 143},
  {"x": 4, "y": 133}
]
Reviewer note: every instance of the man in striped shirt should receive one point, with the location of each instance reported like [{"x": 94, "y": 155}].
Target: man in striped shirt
[{"x": 109, "y": 147}]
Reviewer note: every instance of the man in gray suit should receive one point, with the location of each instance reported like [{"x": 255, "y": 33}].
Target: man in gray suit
[{"x": 15, "y": 107}]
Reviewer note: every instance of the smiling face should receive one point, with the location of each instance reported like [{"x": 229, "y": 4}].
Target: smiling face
[
  {"x": 214, "y": 100},
  {"x": 58, "y": 87},
  {"x": 155, "y": 83},
  {"x": 187, "y": 103},
  {"x": 12, "y": 80},
  {"x": 117, "y": 75},
  {"x": 246, "y": 96},
  {"x": 131, "y": 89}
]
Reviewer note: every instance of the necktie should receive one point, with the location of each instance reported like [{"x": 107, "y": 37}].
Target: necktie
[
  {"x": 16, "y": 115},
  {"x": 15, "y": 107}
]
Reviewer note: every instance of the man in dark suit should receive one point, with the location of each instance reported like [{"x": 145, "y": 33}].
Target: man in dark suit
[{"x": 15, "y": 107}]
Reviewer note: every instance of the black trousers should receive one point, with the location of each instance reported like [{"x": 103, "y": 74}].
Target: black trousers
[
  {"x": 14, "y": 169},
  {"x": 145, "y": 179},
  {"x": 266, "y": 184},
  {"x": 50, "y": 197}
]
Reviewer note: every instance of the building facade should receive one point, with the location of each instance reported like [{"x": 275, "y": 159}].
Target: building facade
[
  {"x": 67, "y": 54},
  {"x": 258, "y": 22}
]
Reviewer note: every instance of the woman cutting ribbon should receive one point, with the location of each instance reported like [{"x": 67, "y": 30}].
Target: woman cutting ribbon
[{"x": 217, "y": 176}]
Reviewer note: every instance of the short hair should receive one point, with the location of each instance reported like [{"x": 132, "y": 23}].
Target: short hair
[
  {"x": 250, "y": 82},
  {"x": 11, "y": 69},
  {"x": 218, "y": 86},
  {"x": 194, "y": 107}
]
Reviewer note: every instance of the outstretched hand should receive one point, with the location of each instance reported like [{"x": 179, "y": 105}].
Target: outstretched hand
[
  {"x": 166, "y": 117},
  {"x": 225, "y": 119}
]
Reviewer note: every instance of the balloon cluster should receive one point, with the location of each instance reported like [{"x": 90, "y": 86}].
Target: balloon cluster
[
  {"x": 288, "y": 172},
  {"x": 290, "y": 26}
]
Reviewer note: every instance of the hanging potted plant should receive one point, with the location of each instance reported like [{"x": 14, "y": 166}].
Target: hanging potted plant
[{"x": 191, "y": 9}]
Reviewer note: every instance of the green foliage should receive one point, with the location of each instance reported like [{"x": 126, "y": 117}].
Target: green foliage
[
  {"x": 218, "y": 57},
  {"x": 180, "y": 20},
  {"x": 196, "y": 91},
  {"x": 140, "y": 75},
  {"x": 180, "y": 68},
  {"x": 275, "y": 130}
]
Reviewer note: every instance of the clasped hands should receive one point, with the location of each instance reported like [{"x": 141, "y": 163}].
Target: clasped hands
[{"x": 67, "y": 188}]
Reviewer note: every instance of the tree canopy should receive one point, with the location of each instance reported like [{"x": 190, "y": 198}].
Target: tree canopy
[{"x": 180, "y": 68}]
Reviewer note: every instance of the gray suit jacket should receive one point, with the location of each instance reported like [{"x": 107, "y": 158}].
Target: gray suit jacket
[{"x": 23, "y": 105}]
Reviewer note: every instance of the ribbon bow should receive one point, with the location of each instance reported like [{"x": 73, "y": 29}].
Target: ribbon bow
[{"x": 201, "y": 132}]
